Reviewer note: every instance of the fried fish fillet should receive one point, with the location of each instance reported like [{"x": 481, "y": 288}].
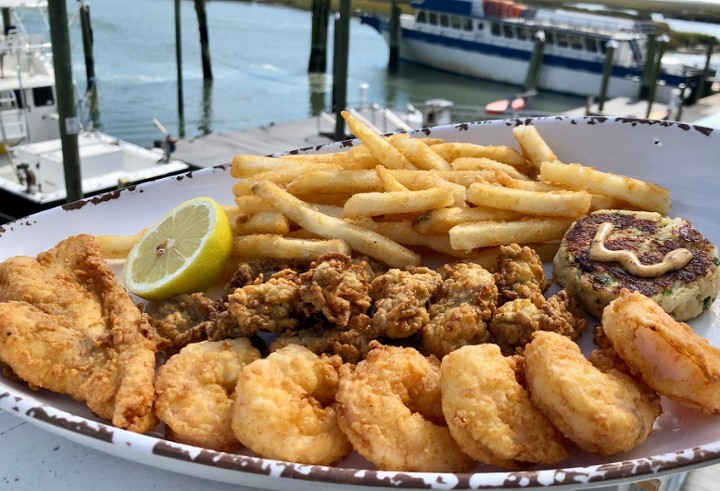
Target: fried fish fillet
[{"x": 67, "y": 325}]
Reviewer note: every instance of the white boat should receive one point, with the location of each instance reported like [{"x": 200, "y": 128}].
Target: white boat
[
  {"x": 495, "y": 40},
  {"x": 31, "y": 162}
]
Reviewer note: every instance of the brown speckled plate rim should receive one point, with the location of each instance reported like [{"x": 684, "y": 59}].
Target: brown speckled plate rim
[{"x": 617, "y": 472}]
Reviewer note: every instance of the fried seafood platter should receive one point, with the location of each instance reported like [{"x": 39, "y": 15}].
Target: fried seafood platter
[{"x": 452, "y": 360}]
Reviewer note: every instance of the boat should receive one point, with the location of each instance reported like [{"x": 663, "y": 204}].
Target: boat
[
  {"x": 31, "y": 160},
  {"x": 497, "y": 39}
]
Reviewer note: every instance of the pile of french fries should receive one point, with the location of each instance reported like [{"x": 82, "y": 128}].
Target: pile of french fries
[{"x": 395, "y": 197}]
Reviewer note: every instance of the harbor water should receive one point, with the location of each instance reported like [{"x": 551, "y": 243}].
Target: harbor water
[{"x": 260, "y": 53}]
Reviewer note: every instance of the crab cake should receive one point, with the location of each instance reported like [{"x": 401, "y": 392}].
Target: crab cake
[{"x": 673, "y": 263}]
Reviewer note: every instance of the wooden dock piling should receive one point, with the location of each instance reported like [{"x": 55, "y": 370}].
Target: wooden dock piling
[
  {"x": 340, "y": 66},
  {"x": 607, "y": 71},
  {"x": 394, "y": 41},
  {"x": 201, "y": 13},
  {"x": 178, "y": 60},
  {"x": 69, "y": 125},
  {"x": 318, "y": 36},
  {"x": 87, "y": 40},
  {"x": 535, "y": 61},
  {"x": 655, "y": 72}
]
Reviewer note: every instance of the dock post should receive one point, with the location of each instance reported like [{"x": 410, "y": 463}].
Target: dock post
[
  {"x": 650, "y": 50},
  {"x": 318, "y": 40},
  {"x": 201, "y": 13},
  {"x": 340, "y": 67},
  {"x": 655, "y": 72},
  {"x": 535, "y": 61},
  {"x": 87, "y": 39},
  {"x": 68, "y": 121},
  {"x": 394, "y": 42},
  {"x": 178, "y": 60},
  {"x": 607, "y": 72},
  {"x": 702, "y": 89}
]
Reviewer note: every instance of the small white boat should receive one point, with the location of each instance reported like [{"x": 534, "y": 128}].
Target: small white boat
[
  {"x": 495, "y": 40},
  {"x": 31, "y": 162}
]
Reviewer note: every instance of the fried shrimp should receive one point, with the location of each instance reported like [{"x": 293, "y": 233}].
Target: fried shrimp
[
  {"x": 390, "y": 409},
  {"x": 602, "y": 412},
  {"x": 665, "y": 353},
  {"x": 284, "y": 408},
  {"x": 489, "y": 413},
  {"x": 195, "y": 392}
]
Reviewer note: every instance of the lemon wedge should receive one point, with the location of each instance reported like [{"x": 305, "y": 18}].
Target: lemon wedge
[{"x": 183, "y": 252}]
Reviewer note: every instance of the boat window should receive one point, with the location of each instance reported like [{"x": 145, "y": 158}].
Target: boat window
[
  {"x": 422, "y": 17},
  {"x": 495, "y": 28},
  {"x": 480, "y": 26},
  {"x": 603, "y": 45},
  {"x": 467, "y": 24},
  {"x": 444, "y": 20},
  {"x": 591, "y": 45},
  {"x": 43, "y": 96},
  {"x": 508, "y": 31},
  {"x": 561, "y": 39},
  {"x": 522, "y": 33},
  {"x": 576, "y": 42},
  {"x": 455, "y": 22}
]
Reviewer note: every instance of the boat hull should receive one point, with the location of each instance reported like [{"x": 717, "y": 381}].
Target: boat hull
[{"x": 510, "y": 65}]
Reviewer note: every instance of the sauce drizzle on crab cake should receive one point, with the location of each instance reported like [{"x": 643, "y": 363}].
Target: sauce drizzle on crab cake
[{"x": 684, "y": 292}]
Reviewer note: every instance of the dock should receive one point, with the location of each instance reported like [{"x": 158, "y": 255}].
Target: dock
[{"x": 219, "y": 148}]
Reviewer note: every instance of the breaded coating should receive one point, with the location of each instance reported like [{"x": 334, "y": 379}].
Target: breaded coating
[
  {"x": 352, "y": 345},
  {"x": 514, "y": 322},
  {"x": 489, "y": 412},
  {"x": 196, "y": 392},
  {"x": 271, "y": 306},
  {"x": 520, "y": 274},
  {"x": 337, "y": 287},
  {"x": 67, "y": 325},
  {"x": 668, "y": 355},
  {"x": 389, "y": 406},
  {"x": 601, "y": 411},
  {"x": 284, "y": 407},
  {"x": 462, "y": 306},
  {"x": 259, "y": 270},
  {"x": 401, "y": 300},
  {"x": 185, "y": 319}
]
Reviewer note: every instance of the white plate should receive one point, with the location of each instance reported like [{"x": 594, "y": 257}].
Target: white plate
[{"x": 681, "y": 157}]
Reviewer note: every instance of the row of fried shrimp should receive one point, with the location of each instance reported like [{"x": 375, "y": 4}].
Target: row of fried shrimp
[{"x": 405, "y": 411}]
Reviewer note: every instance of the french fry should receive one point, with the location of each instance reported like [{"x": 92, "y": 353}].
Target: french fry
[
  {"x": 250, "y": 205},
  {"x": 249, "y": 165},
  {"x": 118, "y": 246},
  {"x": 429, "y": 180},
  {"x": 334, "y": 182},
  {"x": 644, "y": 195},
  {"x": 418, "y": 152},
  {"x": 269, "y": 246},
  {"x": 451, "y": 151},
  {"x": 389, "y": 182},
  {"x": 361, "y": 240},
  {"x": 471, "y": 235},
  {"x": 264, "y": 222},
  {"x": 403, "y": 233},
  {"x": 442, "y": 220},
  {"x": 475, "y": 163},
  {"x": 554, "y": 203},
  {"x": 375, "y": 204},
  {"x": 534, "y": 148},
  {"x": 378, "y": 147}
]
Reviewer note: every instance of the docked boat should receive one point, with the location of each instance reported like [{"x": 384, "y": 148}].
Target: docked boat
[
  {"x": 31, "y": 162},
  {"x": 561, "y": 51}
]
